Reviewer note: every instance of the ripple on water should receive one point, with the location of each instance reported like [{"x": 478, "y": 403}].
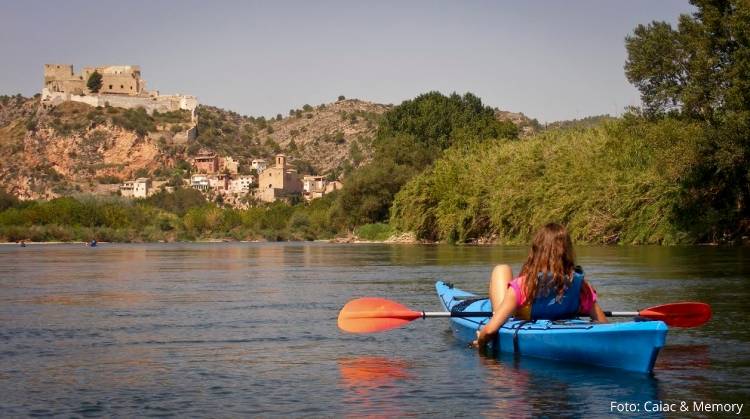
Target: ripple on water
[{"x": 250, "y": 330}]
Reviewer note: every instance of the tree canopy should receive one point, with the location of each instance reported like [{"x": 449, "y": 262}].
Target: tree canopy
[
  {"x": 701, "y": 69},
  {"x": 94, "y": 83},
  {"x": 701, "y": 72},
  {"x": 410, "y": 137}
]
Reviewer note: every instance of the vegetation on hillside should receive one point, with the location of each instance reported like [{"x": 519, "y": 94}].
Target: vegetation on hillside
[
  {"x": 330, "y": 139},
  {"x": 409, "y": 138}
]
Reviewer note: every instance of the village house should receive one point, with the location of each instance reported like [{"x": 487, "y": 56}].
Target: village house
[
  {"x": 219, "y": 182},
  {"x": 199, "y": 182},
  {"x": 229, "y": 165},
  {"x": 259, "y": 165},
  {"x": 206, "y": 162},
  {"x": 279, "y": 181},
  {"x": 313, "y": 186},
  {"x": 139, "y": 188},
  {"x": 241, "y": 184},
  {"x": 317, "y": 186}
]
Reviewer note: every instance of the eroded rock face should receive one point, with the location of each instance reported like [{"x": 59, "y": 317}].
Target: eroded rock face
[{"x": 50, "y": 154}]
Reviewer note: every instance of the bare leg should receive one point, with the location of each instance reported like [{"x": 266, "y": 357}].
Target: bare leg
[{"x": 499, "y": 280}]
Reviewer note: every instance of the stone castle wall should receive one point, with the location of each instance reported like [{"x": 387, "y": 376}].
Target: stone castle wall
[{"x": 150, "y": 104}]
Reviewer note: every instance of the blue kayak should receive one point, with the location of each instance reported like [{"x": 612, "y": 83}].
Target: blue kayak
[{"x": 631, "y": 345}]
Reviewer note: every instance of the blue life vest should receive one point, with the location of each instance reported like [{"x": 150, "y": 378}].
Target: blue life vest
[{"x": 552, "y": 307}]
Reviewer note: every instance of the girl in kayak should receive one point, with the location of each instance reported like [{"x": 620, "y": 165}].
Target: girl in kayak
[{"x": 550, "y": 286}]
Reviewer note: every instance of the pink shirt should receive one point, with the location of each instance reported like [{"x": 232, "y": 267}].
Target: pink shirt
[{"x": 588, "y": 295}]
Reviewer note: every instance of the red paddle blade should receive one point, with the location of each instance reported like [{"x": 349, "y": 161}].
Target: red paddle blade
[
  {"x": 370, "y": 315},
  {"x": 686, "y": 314}
]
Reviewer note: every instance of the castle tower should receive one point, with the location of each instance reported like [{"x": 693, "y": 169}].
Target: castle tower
[{"x": 281, "y": 161}]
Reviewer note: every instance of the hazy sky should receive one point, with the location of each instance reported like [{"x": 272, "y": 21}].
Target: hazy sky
[{"x": 549, "y": 59}]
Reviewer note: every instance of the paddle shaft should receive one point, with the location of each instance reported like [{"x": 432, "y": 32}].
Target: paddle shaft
[
  {"x": 426, "y": 314},
  {"x": 488, "y": 314}
]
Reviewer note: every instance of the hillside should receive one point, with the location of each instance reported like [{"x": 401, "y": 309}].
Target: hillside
[
  {"x": 526, "y": 126},
  {"x": 75, "y": 148},
  {"x": 321, "y": 140}
]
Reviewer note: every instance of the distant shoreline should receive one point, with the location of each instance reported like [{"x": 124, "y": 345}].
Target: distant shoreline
[{"x": 353, "y": 241}]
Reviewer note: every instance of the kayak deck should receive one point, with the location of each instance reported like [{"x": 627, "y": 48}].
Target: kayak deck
[{"x": 631, "y": 345}]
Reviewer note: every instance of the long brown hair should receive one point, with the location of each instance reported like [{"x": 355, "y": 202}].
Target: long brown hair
[{"x": 551, "y": 258}]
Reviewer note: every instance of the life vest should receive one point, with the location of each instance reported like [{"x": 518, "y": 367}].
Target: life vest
[{"x": 554, "y": 307}]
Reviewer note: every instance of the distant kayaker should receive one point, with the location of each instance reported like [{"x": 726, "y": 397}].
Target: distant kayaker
[{"x": 550, "y": 286}]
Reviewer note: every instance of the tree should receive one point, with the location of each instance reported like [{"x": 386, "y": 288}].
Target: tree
[
  {"x": 341, "y": 97},
  {"x": 410, "y": 137},
  {"x": 702, "y": 69},
  {"x": 701, "y": 72},
  {"x": 368, "y": 193},
  {"x": 94, "y": 83}
]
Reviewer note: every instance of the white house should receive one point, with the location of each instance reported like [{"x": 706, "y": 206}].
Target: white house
[
  {"x": 313, "y": 183},
  {"x": 259, "y": 165},
  {"x": 139, "y": 188},
  {"x": 199, "y": 182},
  {"x": 241, "y": 184}
]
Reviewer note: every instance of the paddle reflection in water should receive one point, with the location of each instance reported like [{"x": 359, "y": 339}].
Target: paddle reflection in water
[
  {"x": 529, "y": 387},
  {"x": 372, "y": 384}
]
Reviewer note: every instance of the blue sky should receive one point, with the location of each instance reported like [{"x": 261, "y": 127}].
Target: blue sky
[{"x": 551, "y": 60}]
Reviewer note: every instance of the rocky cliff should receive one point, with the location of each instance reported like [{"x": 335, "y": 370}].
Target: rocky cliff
[{"x": 75, "y": 148}]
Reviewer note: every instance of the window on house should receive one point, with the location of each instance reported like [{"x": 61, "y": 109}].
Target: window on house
[
  {"x": 110, "y": 87},
  {"x": 122, "y": 87}
]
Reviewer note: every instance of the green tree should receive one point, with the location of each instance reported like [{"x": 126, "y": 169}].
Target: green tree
[
  {"x": 700, "y": 71},
  {"x": 410, "y": 137},
  {"x": 94, "y": 83},
  {"x": 368, "y": 193}
]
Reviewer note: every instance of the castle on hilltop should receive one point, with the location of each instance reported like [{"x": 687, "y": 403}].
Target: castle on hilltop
[{"x": 121, "y": 86}]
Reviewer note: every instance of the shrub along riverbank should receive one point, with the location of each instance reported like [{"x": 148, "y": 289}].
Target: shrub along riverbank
[
  {"x": 181, "y": 216},
  {"x": 620, "y": 182}
]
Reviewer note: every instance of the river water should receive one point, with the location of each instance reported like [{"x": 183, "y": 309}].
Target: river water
[{"x": 249, "y": 329}]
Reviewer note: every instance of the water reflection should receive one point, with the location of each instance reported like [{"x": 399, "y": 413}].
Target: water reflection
[
  {"x": 684, "y": 357},
  {"x": 373, "y": 384},
  {"x": 528, "y": 387}
]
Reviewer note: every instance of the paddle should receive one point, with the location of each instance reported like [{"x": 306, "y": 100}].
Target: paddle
[{"x": 370, "y": 314}]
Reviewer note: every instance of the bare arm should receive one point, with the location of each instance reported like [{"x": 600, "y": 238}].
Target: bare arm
[
  {"x": 597, "y": 314},
  {"x": 499, "y": 317}
]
